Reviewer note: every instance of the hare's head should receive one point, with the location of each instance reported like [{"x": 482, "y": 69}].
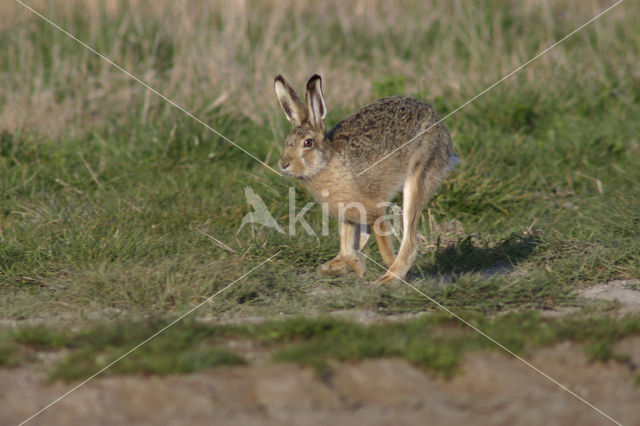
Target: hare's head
[{"x": 306, "y": 149}]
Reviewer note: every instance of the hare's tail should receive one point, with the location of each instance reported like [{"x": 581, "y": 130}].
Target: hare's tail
[{"x": 454, "y": 160}]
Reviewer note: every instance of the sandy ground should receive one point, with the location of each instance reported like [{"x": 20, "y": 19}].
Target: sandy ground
[
  {"x": 625, "y": 292},
  {"x": 493, "y": 389}
]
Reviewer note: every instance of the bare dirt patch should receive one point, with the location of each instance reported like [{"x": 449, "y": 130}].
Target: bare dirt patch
[
  {"x": 625, "y": 292},
  {"x": 491, "y": 388}
]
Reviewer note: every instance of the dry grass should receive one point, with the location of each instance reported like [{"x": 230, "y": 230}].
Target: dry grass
[{"x": 224, "y": 54}]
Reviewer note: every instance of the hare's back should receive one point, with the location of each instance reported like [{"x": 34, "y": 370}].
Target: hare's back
[{"x": 381, "y": 127}]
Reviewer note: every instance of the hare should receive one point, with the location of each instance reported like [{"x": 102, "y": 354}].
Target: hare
[{"x": 357, "y": 167}]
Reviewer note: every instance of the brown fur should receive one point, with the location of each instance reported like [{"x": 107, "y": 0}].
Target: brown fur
[{"x": 334, "y": 165}]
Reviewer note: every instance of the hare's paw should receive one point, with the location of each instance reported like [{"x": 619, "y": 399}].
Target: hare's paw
[
  {"x": 335, "y": 266},
  {"x": 387, "y": 278},
  {"x": 356, "y": 264}
]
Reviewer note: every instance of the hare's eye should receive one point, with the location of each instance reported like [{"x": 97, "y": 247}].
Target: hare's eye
[{"x": 308, "y": 143}]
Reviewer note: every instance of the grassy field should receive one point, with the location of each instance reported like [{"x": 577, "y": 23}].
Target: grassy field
[
  {"x": 436, "y": 342},
  {"x": 108, "y": 191}
]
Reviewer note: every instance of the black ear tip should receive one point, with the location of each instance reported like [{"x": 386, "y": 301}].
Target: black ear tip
[
  {"x": 279, "y": 78},
  {"x": 312, "y": 81}
]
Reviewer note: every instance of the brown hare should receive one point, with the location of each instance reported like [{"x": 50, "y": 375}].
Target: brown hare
[{"x": 402, "y": 138}]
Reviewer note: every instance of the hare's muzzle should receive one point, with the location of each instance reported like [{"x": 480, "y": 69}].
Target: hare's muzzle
[{"x": 284, "y": 164}]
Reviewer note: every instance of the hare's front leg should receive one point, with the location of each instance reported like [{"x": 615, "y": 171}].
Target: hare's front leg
[
  {"x": 353, "y": 237},
  {"x": 382, "y": 231}
]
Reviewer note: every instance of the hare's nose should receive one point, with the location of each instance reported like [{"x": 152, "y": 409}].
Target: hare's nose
[{"x": 284, "y": 166}]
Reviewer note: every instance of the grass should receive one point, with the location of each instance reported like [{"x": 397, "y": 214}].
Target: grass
[
  {"x": 435, "y": 342},
  {"x": 105, "y": 186},
  {"x": 180, "y": 350}
]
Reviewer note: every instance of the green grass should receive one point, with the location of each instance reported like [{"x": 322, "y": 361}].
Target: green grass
[
  {"x": 179, "y": 350},
  {"x": 438, "y": 342},
  {"x": 104, "y": 187},
  {"x": 435, "y": 342}
]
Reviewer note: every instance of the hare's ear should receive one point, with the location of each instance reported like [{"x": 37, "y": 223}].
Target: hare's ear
[
  {"x": 290, "y": 102},
  {"x": 316, "y": 109}
]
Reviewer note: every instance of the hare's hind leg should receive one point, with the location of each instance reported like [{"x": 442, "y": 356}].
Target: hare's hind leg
[
  {"x": 416, "y": 191},
  {"x": 353, "y": 237}
]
